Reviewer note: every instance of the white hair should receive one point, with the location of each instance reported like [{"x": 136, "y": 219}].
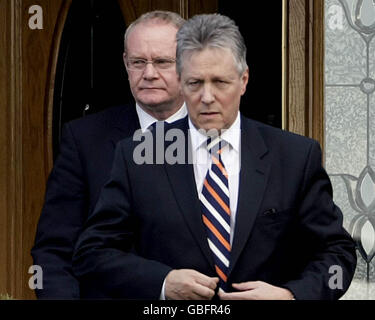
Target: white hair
[
  {"x": 167, "y": 17},
  {"x": 211, "y": 31}
]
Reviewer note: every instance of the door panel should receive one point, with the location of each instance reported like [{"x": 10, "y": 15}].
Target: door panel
[{"x": 25, "y": 145}]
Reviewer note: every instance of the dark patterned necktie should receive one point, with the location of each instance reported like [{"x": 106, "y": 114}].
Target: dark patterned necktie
[{"x": 216, "y": 210}]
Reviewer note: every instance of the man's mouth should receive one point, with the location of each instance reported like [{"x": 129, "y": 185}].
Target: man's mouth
[
  {"x": 150, "y": 88},
  {"x": 212, "y": 113}
]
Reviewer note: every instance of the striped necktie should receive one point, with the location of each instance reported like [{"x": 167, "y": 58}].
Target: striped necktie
[{"x": 216, "y": 210}]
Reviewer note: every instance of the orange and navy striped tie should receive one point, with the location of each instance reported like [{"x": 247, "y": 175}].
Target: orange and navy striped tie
[{"x": 216, "y": 210}]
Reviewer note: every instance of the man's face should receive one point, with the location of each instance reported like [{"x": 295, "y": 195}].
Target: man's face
[
  {"x": 153, "y": 88},
  {"x": 212, "y": 88}
]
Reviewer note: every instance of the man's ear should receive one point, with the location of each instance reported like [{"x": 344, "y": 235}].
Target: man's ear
[
  {"x": 245, "y": 80},
  {"x": 124, "y": 59}
]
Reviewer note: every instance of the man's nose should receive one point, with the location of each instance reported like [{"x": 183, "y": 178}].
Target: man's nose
[
  {"x": 208, "y": 96},
  {"x": 150, "y": 72}
]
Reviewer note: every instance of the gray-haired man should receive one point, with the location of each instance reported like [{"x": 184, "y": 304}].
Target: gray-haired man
[{"x": 256, "y": 221}]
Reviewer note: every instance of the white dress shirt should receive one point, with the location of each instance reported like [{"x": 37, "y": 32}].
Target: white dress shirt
[
  {"x": 146, "y": 120},
  {"x": 231, "y": 157}
]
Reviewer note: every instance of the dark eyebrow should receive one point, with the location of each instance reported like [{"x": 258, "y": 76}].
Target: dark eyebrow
[
  {"x": 164, "y": 58},
  {"x": 137, "y": 58},
  {"x": 196, "y": 80}
]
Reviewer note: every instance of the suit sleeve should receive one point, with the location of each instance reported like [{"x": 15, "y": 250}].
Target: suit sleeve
[
  {"x": 330, "y": 268},
  {"x": 104, "y": 259},
  {"x": 60, "y": 222}
]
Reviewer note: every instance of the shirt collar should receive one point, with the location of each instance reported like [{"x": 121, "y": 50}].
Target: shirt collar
[
  {"x": 231, "y": 135},
  {"x": 146, "y": 120}
]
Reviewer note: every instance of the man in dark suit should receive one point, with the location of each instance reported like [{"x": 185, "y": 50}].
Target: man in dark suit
[
  {"x": 246, "y": 212},
  {"x": 88, "y": 144}
]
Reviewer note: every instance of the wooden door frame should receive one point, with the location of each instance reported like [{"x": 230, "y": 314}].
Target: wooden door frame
[{"x": 303, "y": 47}]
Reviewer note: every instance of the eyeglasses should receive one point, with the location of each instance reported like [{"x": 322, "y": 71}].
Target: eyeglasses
[{"x": 158, "y": 63}]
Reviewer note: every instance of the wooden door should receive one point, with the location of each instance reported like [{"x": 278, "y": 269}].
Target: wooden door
[{"x": 25, "y": 77}]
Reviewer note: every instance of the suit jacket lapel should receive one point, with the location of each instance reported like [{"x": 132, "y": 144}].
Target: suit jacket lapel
[
  {"x": 254, "y": 173},
  {"x": 253, "y": 180},
  {"x": 124, "y": 125},
  {"x": 181, "y": 178}
]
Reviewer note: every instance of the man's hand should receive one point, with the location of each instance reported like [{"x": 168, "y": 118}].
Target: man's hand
[
  {"x": 256, "y": 290},
  {"x": 187, "y": 284}
]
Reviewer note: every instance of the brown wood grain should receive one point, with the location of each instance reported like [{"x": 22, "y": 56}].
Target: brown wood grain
[
  {"x": 24, "y": 165},
  {"x": 37, "y": 48},
  {"x": 4, "y": 140},
  {"x": 10, "y": 166},
  {"x": 129, "y": 10},
  {"x": 297, "y": 73},
  {"x": 304, "y": 66},
  {"x": 202, "y": 6},
  {"x": 132, "y": 9},
  {"x": 317, "y": 66}
]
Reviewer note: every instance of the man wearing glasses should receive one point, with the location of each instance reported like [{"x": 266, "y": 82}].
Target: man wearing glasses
[
  {"x": 150, "y": 57},
  {"x": 88, "y": 144}
]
